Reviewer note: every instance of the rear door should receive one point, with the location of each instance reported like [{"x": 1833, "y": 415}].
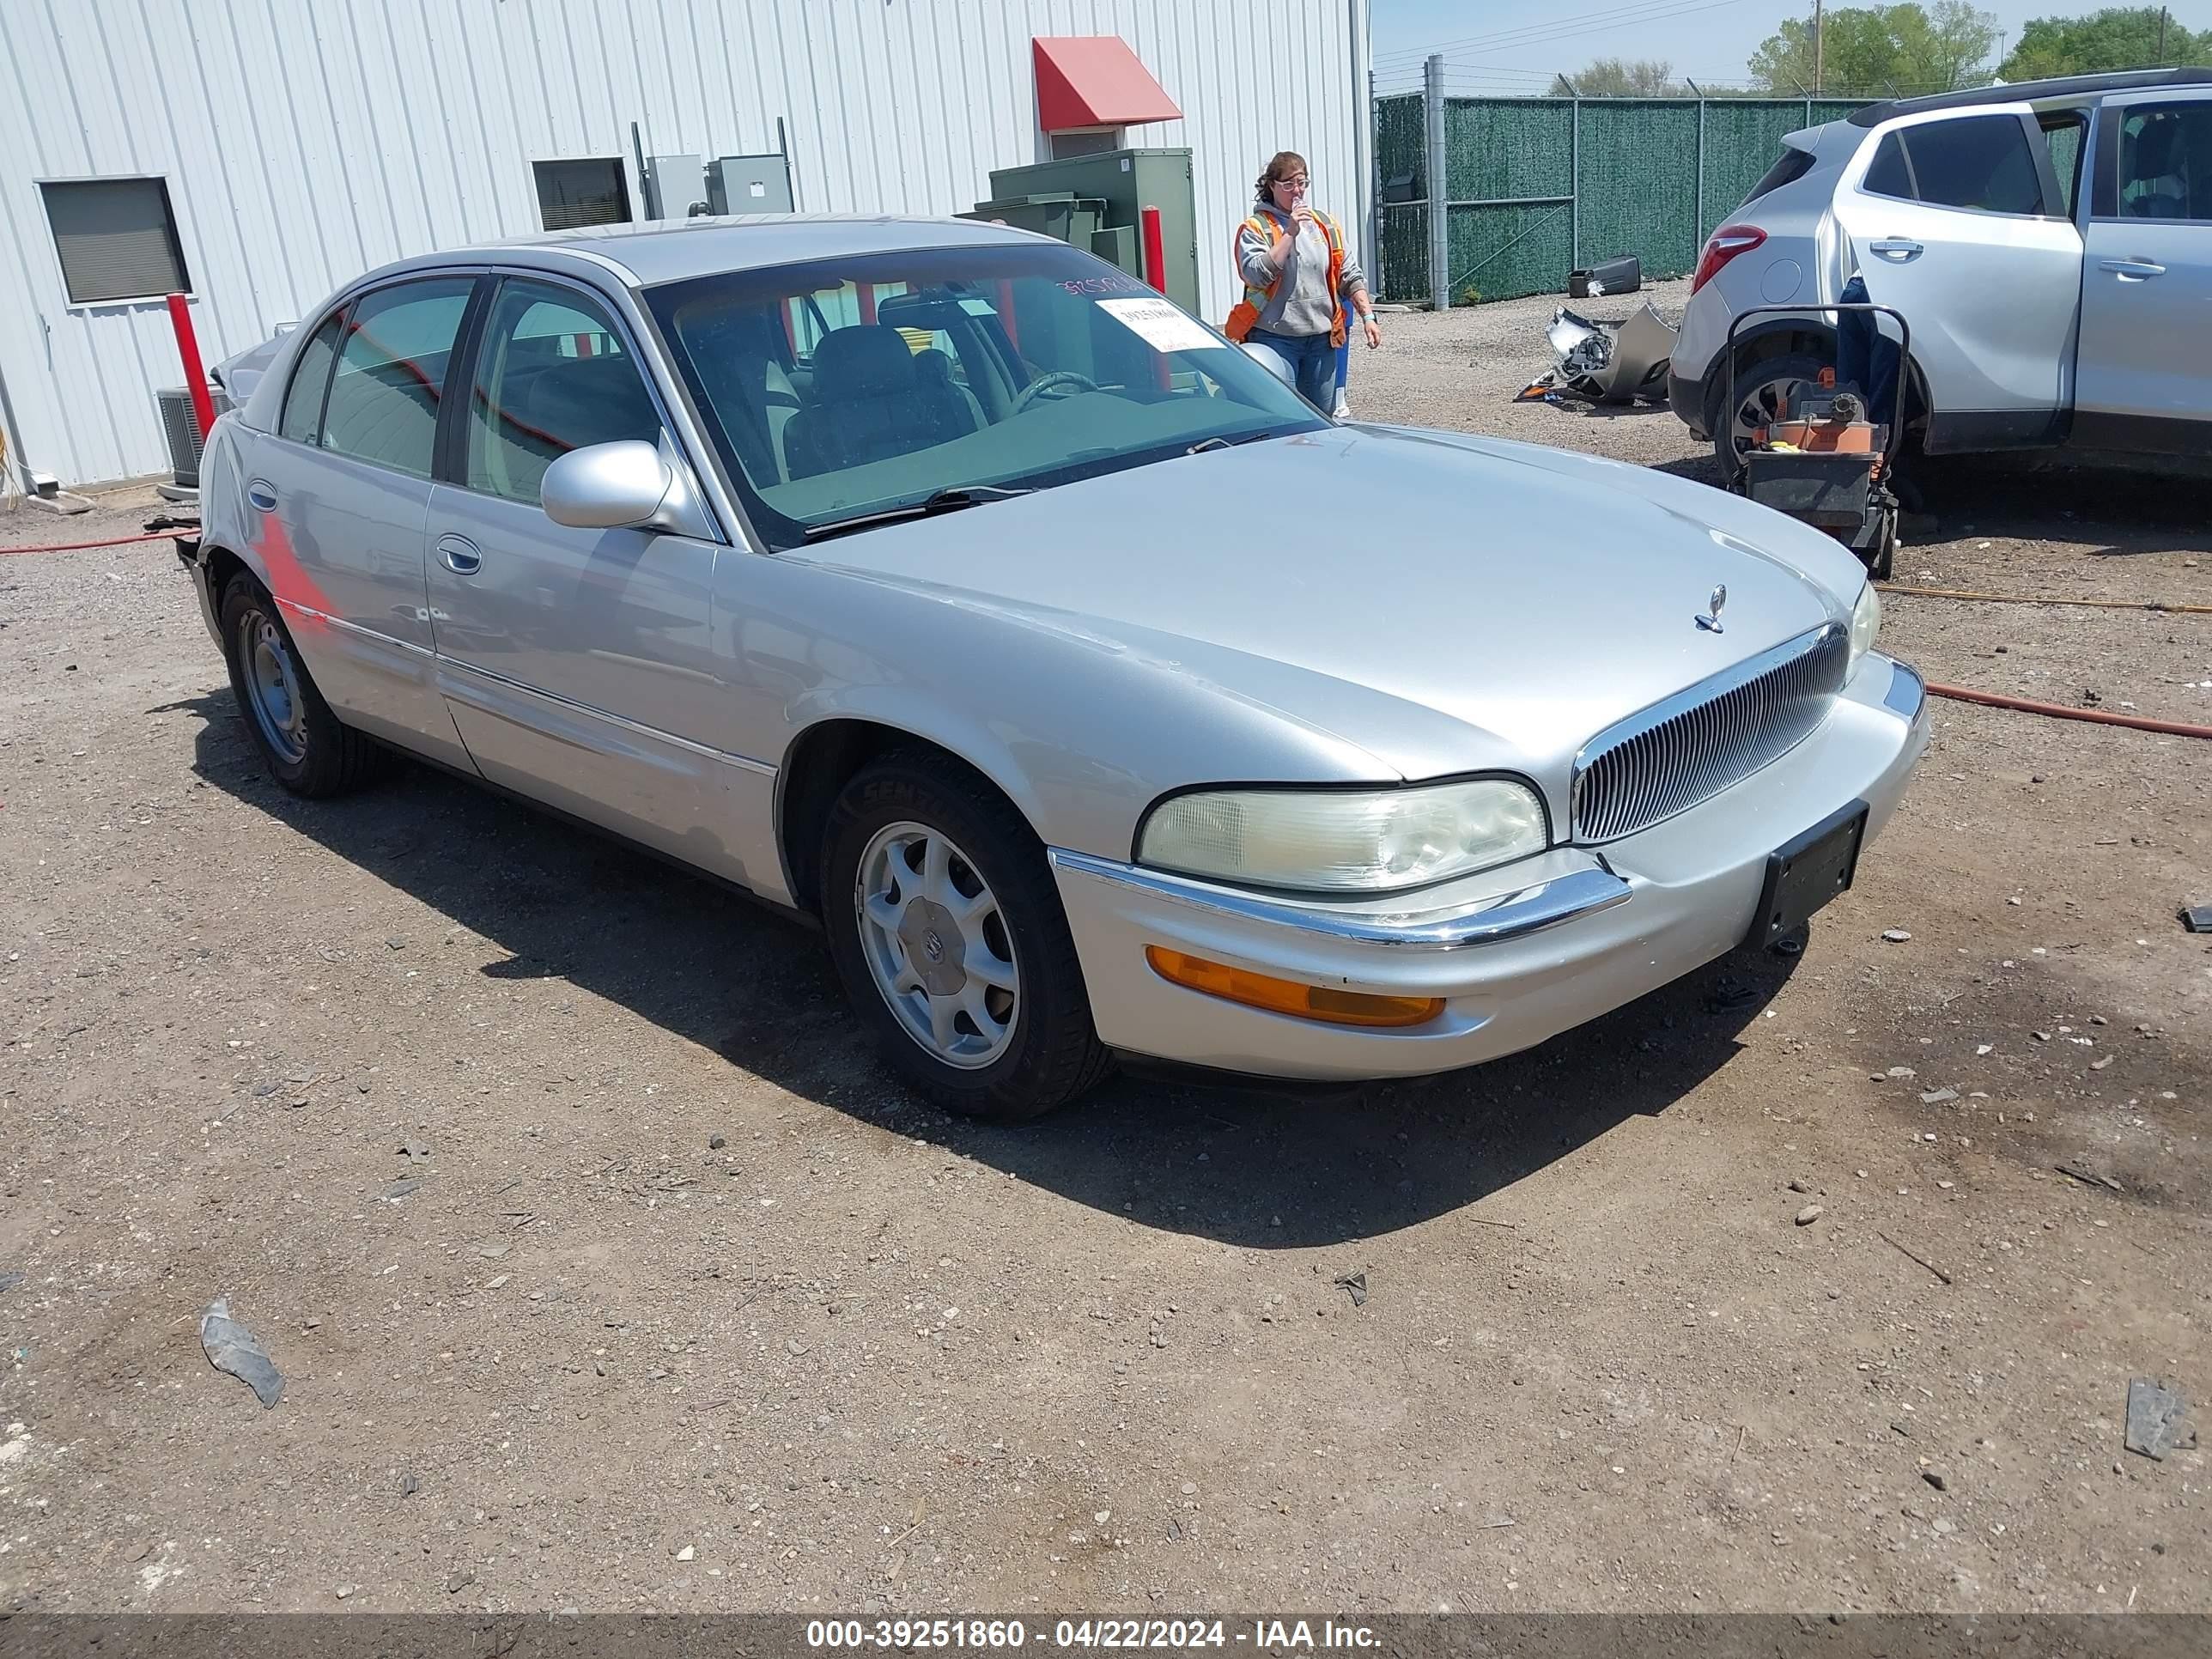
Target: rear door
[
  {"x": 579, "y": 665},
  {"x": 1959, "y": 220},
  {"x": 339, "y": 496},
  {"x": 2146, "y": 353}
]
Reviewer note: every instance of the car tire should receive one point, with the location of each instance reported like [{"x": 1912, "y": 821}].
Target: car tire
[
  {"x": 306, "y": 747},
  {"x": 1762, "y": 385},
  {"x": 948, "y": 934}
]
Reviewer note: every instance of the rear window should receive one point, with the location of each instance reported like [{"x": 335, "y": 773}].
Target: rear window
[
  {"x": 1789, "y": 167},
  {"x": 1981, "y": 162}
]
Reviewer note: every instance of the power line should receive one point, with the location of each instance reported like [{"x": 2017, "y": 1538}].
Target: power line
[{"x": 1644, "y": 11}]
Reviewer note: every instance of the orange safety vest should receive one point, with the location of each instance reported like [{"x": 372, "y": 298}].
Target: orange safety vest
[{"x": 1245, "y": 316}]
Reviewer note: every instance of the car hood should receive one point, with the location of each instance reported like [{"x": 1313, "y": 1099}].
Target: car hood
[{"x": 1445, "y": 602}]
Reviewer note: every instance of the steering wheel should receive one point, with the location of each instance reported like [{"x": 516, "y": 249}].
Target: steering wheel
[{"x": 1045, "y": 383}]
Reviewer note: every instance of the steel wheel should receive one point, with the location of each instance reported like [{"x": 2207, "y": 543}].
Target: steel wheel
[
  {"x": 936, "y": 944},
  {"x": 272, "y": 687}
]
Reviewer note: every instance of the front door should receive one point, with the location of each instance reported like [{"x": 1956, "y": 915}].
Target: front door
[
  {"x": 2146, "y": 354},
  {"x": 340, "y": 496},
  {"x": 578, "y": 664},
  {"x": 1958, "y": 221}
]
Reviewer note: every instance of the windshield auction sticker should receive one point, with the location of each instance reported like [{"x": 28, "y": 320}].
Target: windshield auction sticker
[{"x": 1159, "y": 325}]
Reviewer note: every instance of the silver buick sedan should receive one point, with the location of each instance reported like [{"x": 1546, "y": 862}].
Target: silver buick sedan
[{"x": 1093, "y": 695}]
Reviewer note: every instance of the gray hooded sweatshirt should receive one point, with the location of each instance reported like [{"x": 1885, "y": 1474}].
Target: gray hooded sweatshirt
[{"x": 1302, "y": 305}]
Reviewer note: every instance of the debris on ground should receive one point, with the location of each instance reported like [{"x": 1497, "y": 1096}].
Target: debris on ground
[
  {"x": 2075, "y": 1172},
  {"x": 1897, "y": 936},
  {"x": 1809, "y": 1214},
  {"x": 1606, "y": 362},
  {"x": 1912, "y": 1255},
  {"x": 1939, "y": 1096},
  {"x": 2197, "y": 918},
  {"x": 9, "y": 1281},
  {"x": 1356, "y": 1284},
  {"x": 1936, "y": 1478},
  {"x": 2154, "y": 1414},
  {"x": 1730, "y": 995},
  {"x": 234, "y": 1350}
]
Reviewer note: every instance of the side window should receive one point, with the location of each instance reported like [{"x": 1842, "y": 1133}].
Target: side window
[
  {"x": 552, "y": 376},
  {"x": 301, "y": 421},
  {"x": 2063, "y": 132},
  {"x": 1891, "y": 174},
  {"x": 1789, "y": 167},
  {"x": 2166, "y": 162},
  {"x": 1978, "y": 162},
  {"x": 391, "y": 372}
]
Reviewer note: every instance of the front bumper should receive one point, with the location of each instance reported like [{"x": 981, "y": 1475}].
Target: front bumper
[{"x": 1576, "y": 933}]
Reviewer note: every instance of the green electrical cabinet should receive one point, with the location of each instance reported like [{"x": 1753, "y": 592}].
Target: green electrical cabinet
[{"x": 1095, "y": 203}]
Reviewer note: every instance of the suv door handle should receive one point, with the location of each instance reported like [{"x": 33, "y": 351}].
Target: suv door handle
[
  {"x": 2132, "y": 270},
  {"x": 460, "y": 555},
  {"x": 262, "y": 494},
  {"x": 1897, "y": 249}
]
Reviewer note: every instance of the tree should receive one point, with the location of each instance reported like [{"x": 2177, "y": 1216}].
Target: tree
[
  {"x": 1881, "y": 51},
  {"x": 2117, "y": 38},
  {"x": 1609, "y": 77}
]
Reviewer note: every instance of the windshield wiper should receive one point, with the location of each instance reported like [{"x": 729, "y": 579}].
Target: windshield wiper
[
  {"x": 943, "y": 500},
  {"x": 1205, "y": 444}
]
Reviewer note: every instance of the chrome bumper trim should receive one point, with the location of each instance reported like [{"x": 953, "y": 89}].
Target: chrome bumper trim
[
  {"x": 1907, "y": 694},
  {"x": 1512, "y": 915}
]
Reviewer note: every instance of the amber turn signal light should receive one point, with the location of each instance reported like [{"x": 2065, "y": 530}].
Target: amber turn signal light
[{"x": 1283, "y": 996}]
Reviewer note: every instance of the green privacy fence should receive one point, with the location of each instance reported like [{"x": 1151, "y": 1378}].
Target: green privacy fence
[{"x": 1535, "y": 186}]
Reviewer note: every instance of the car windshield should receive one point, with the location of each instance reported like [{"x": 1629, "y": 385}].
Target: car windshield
[{"x": 854, "y": 388}]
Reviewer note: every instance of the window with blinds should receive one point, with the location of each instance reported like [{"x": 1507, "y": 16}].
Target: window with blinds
[
  {"x": 117, "y": 239},
  {"x": 571, "y": 193}
]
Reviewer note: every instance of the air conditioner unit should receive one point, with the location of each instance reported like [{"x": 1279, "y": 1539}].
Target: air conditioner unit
[{"x": 180, "y": 422}]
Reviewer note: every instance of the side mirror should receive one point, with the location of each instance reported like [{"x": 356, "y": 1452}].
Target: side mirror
[
  {"x": 1271, "y": 361},
  {"x": 606, "y": 486}
]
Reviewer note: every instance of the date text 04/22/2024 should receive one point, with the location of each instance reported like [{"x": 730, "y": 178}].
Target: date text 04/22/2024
[{"x": 1261, "y": 1635}]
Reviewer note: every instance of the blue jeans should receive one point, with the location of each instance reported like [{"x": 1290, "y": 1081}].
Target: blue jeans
[
  {"x": 1313, "y": 364},
  {"x": 1865, "y": 356}
]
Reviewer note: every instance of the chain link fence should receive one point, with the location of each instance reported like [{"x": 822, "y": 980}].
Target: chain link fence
[{"x": 1534, "y": 187}]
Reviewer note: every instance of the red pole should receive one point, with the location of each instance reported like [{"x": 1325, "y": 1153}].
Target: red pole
[
  {"x": 868, "y": 304},
  {"x": 1156, "y": 255},
  {"x": 188, "y": 349}
]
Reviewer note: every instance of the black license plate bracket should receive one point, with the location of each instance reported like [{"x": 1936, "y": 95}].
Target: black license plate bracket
[{"x": 1805, "y": 873}]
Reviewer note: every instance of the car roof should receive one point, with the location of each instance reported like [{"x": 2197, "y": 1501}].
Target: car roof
[
  {"x": 2031, "y": 91},
  {"x": 667, "y": 251}
]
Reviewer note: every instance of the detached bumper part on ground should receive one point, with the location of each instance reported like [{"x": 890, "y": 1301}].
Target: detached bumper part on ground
[{"x": 1517, "y": 956}]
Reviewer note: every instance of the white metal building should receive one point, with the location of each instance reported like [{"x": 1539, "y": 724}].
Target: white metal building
[{"x": 258, "y": 156}]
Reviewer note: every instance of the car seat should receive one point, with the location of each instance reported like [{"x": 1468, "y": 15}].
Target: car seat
[{"x": 869, "y": 402}]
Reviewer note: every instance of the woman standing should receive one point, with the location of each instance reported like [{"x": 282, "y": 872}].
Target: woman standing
[{"x": 1298, "y": 277}]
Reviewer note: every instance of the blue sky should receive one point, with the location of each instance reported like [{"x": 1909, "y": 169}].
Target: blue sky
[{"x": 1518, "y": 45}]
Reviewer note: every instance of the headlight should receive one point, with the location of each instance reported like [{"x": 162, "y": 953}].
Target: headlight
[
  {"x": 1364, "y": 841},
  {"x": 1866, "y": 622}
]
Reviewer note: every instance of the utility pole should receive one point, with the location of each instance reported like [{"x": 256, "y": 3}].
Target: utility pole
[
  {"x": 2162, "y": 11},
  {"x": 1819, "y": 40}
]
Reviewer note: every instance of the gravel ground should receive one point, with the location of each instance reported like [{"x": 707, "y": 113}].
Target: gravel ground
[{"x": 605, "y": 1272}]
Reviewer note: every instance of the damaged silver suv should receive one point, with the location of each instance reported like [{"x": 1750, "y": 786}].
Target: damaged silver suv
[{"x": 2049, "y": 244}]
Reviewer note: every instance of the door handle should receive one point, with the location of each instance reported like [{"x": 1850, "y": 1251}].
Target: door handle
[
  {"x": 2132, "y": 270},
  {"x": 262, "y": 494},
  {"x": 460, "y": 555},
  {"x": 1898, "y": 250}
]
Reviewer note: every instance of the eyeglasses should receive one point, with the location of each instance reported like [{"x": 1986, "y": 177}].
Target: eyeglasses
[{"x": 1298, "y": 183}]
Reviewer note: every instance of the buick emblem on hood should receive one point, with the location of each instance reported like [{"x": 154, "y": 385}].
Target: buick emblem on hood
[{"x": 1711, "y": 620}]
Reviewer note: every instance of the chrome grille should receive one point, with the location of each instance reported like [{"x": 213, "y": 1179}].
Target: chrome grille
[{"x": 1696, "y": 744}]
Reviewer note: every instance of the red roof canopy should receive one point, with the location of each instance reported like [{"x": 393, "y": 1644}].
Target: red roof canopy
[{"x": 1096, "y": 81}]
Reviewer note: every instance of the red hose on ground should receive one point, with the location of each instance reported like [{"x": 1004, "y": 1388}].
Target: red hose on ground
[
  {"x": 113, "y": 541},
  {"x": 2060, "y": 711}
]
